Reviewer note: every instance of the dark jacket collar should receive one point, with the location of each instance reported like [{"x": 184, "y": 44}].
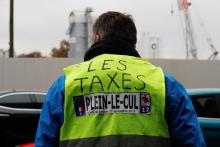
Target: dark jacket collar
[{"x": 119, "y": 47}]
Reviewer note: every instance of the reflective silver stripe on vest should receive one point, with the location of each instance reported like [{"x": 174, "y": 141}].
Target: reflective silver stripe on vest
[{"x": 118, "y": 141}]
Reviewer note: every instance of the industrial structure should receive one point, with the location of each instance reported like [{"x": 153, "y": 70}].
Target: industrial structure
[
  {"x": 80, "y": 31},
  {"x": 151, "y": 45},
  {"x": 188, "y": 31}
]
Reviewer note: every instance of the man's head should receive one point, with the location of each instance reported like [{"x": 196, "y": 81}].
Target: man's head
[{"x": 114, "y": 25}]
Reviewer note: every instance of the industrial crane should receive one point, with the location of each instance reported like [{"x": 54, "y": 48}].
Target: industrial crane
[{"x": 191, "y": 49}]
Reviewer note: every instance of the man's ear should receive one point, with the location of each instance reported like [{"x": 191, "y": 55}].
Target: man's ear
[{"x": 96, "y": 38}]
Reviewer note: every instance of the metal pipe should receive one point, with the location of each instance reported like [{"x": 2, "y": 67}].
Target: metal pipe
[{"x": 11, "y": 29}]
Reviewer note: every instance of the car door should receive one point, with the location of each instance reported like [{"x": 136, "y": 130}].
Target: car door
[
  {"x": 207, "y": 107},
  {"x": 18, "y": 119}
]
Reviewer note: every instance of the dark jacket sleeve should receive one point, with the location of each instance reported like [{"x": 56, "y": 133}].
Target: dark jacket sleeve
[{"x": 181, "y": 117}]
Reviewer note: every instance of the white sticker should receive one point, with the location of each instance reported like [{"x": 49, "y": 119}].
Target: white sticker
[{"x": 108, "y": 103}]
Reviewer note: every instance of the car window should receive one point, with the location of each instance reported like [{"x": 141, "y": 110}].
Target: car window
[
  {"x": 206, "y": 106},
  {"x": 16, "y": 101},
  {"x": 39, "y": 98}
]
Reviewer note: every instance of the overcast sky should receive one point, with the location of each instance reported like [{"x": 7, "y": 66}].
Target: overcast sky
[{"x": 42, "y": 24}]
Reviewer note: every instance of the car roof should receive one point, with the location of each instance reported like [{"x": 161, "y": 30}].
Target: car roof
[
  {"x": 203, "y": 91},
  {"x": 21, "y": 91}
]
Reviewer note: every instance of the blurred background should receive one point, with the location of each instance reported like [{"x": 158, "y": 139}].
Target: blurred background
[
  {"x": 182, "y": 36},
  {"x": 40, "y": 26}
]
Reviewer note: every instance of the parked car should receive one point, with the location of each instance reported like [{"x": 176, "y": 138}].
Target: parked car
[
  {"x": 26, "y": 145},
  {"x": 207, "y": 105},
  {"x": 19, "y": 114},
  {"x": 20, "y": 111}
]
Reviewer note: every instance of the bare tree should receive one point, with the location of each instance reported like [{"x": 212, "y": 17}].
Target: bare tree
[{"x": 35, "y": 54}]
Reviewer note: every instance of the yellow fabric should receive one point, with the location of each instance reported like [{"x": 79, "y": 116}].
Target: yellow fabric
[{"x": 130, "y": 75}]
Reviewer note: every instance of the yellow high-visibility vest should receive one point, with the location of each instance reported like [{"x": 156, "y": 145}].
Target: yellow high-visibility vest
[{"x": 114, "y": 100}]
